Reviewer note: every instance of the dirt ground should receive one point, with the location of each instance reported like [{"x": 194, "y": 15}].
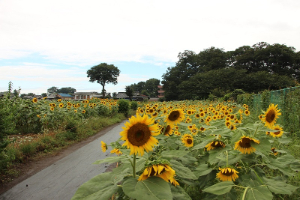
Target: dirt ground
[{"x": 33, "y": 166}]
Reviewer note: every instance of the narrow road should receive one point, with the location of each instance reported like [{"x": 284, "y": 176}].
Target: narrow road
[{"x": 60, "y": 180}]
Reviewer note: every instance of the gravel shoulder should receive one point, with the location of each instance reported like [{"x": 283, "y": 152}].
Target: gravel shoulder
[{"x": 58, "y": 176}]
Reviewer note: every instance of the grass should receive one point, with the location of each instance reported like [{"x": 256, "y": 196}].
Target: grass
[{"x": 48, "y": 143}]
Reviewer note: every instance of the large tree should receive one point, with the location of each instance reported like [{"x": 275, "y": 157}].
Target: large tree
[
  {"x": 67, "y": 90},
  {"x": 104, "y": 73}
]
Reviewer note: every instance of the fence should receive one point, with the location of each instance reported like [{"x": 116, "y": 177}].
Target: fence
[{"x": 288, "y": 101}]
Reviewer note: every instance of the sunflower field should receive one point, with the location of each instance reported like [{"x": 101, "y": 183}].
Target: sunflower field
[
  {"x": 198, "y": 150},
  {"x": 28, "y": 127}
]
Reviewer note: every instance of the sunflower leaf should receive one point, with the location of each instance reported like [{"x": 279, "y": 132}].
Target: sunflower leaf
[
  {"x": 258, "y": 193},
  {"x": 202, "y": 170},
  {"x": 207, "y": 140},
  {"x": 220, "y": 188},
  {"x": 182, "y": 171},
  {"x": 100, "y": 187},
  {"x": 279, "y": 186},
  {"x": 152, "y": 188},
  {"x": 179, "y": 193},
  {"x": 174, "y": 153}
]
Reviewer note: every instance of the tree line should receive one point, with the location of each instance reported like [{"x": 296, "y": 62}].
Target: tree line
[{"x": 216, "y": 72}]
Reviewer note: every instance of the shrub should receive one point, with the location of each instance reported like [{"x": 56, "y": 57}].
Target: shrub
[
  {"x": 103, "y": 110},
  {"x": 123, "y": 106},
  {"x": 71, "y": 126},
  {"x": 134, "y": 105}
]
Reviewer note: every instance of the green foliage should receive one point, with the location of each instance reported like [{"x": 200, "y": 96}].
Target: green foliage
[
  {"x": 104, "y": 73},
  {"x": 133, "y": 105},
  {"x": 123, "y": 106},
  {"x": 129, "y": 92}
]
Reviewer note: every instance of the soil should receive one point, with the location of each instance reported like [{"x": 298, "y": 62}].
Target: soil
[{"x": 37, "y": 164}]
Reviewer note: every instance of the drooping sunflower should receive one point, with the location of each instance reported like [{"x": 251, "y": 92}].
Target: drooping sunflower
[
  {"x": 175, "y": 116},
  {"x": 167, "y": 130},
  {"x": 244, "y": 145},
  {"x": 163, "y": 171},
  {"x": 103, "y": 146},
  {"x": 116, "y": 151},
  {"x": 227, "y": 174},
  {"x": 215, "y": 144},
  {"x": 271, "y": 115},
  {"x": 138, "y": 134},
  {"x": 278, "y": 132},
  {"x": 187, "y": 140},
  {"x": 275, "y": 153}
]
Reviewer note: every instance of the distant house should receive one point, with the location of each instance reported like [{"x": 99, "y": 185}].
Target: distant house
[
  {"x": 52, "y": 96},
  {"x": 38, "y": 96},
  {"x": 161, "y": 92},
  {"x": 86, "y": 95},
  {"x": 136, "y": 96},
  {"x": 65, "y": 96}
]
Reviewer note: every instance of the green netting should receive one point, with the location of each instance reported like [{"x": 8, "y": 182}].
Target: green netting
[{"x": 288, "y": 101}]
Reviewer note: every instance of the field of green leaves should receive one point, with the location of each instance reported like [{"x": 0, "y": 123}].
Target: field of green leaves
[
  {"x": 32, "y": 127},
  {"x": 200, "y": 150}
]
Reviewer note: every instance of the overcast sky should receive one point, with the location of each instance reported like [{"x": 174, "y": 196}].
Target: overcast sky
[{"x": 47, "y": 43}]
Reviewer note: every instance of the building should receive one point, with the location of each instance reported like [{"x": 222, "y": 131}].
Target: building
[
  {"x": 161, "y": 92},
  {"x": 65, "y": 96},
  {"x": 86, "y": 95},
  {"x": 136, "y": 96}
]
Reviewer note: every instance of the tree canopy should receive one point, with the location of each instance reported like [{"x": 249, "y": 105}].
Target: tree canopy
[
  {"x": 103, "y": 74},
  {"x": 148, "y": 87},
  {"x": 252, "y": 69}
]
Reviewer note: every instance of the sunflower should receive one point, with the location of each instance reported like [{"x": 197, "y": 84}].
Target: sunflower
[
  {"x": 215, "y": 144},
  {"x": 167, "y": 130},
  {"x": 163, "y": 171},
  {"x": 175, "y": 116},
  {"x": 34, "y": 100},
  {"x": 51, "y": 108},
  {"x": 278, "y": 132},
  {"x": 116, "y": 151},
  {"x": 271, "y": 115},
  {"x": 227, "y": 174},
  {"x": 275, "y": 153},
  {"x": 61, "y": 105},
  {"x": 138, "y": 134},
  {"x": 103, "y": 146},
  {"x": 187, "y": 140},
  {"x": 244, "y": 145},
  {"x": 83, "y": 111},
  {"x": 247, "y": 112}
]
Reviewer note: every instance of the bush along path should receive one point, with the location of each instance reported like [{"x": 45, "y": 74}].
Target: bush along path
[{"x": 61, "y": 179}]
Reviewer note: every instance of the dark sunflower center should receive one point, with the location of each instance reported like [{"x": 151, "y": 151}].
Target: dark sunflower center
[
  {"x": 270, "y": 116},
  {"x": 139, "y": 134},
  {"x": 227, "y": 173},
  {"x": 189, "y": 141},
  {"x": 173, "y": 116},
  {"x": 245, "y": 143},
  {"x": 277, "y": 133},
  {"x": 217, "y": 144}
]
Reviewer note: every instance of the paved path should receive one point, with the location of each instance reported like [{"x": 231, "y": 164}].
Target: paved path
[{"x": 60, "y": 180}]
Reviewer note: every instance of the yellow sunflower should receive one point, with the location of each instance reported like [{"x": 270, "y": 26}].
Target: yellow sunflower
[
  {"x": 83, "y": 111},
  {"x": 51, "y": 108},
  {"x": 116, "y": 151},
  {"x": 163, "y": 171},
  {"x": 227, "y": 174},
  {"x": 215, "y": 144},
  {"x": 167, "y": 130},
  {"x": 138, "y": 134},
  {"x": 278, "y": 132},
  {"x": 244, "y": 145},
  {"x": 34, "y": 100},
  {"x": 103, "y": 146},
  {"x": 271, "y": 115},
  {"x": 275, "y": 153},
  {"x": 61, "y": 105},
  {"x": 187, "y": 140},
  {"x": 175, "y": 116}
]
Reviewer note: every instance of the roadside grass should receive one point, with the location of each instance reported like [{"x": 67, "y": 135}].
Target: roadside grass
[{"x": 49, "y": 143}]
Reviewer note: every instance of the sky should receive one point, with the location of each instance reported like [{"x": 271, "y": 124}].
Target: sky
[{"x": 47, "y": 43}]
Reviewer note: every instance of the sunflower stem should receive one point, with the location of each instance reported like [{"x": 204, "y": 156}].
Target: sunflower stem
[
  {"x": 244, "y": 195},
  {"x": 133, "y": 166},
  {"x": 255, "y": 131}
]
